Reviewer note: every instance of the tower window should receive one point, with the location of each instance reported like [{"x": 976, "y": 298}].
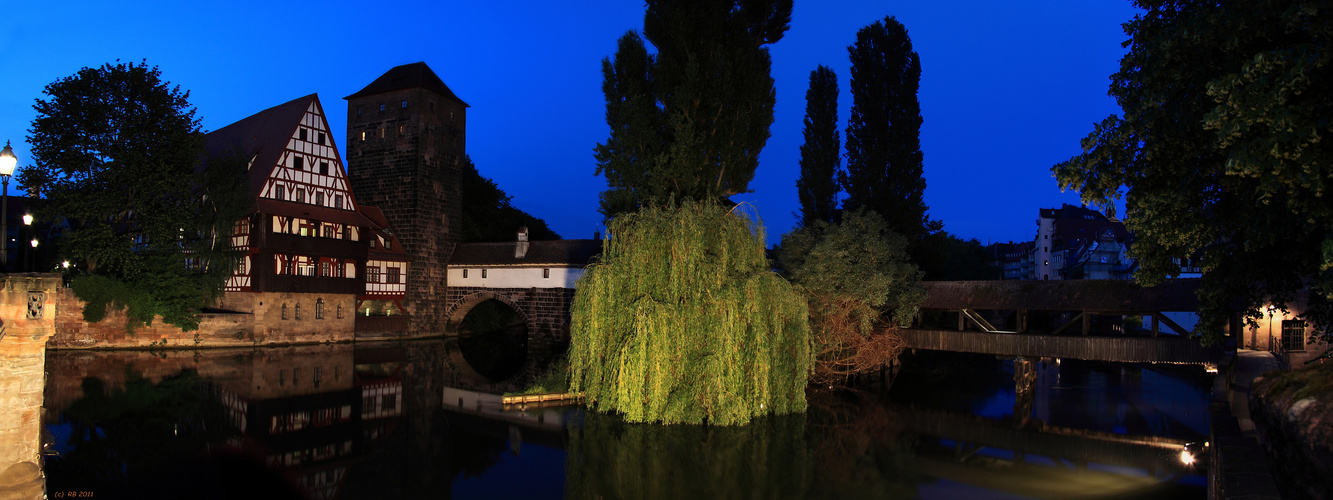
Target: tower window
[
  {"x": 358, "y": 111},
  {"x": 381, "y": 132},
  {"x": 404, "y": 106},
  {"x": 432, "y": 106},
  {"x": 363, "y": 135},
  {"x": 402, "y": 130},
  {"x": 381, "y": 108},
  {"x": 302, "y": 133}
]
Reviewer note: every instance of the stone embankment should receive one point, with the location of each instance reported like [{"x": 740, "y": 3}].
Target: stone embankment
[
  {"x": 27, "y": 314},
  {"x": 1293, "y": 415}
]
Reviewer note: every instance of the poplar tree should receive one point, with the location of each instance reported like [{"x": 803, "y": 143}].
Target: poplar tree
[
  {"x": 689, "y": 121},
  {"x": 883, "y": 133},
  {"x": 821, "y": 154}
]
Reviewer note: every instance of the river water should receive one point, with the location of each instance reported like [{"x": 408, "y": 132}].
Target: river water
[{"x": 411, "y": 420}]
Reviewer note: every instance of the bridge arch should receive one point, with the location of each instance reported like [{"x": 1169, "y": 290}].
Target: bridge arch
[{"x": 460, "y": 308}]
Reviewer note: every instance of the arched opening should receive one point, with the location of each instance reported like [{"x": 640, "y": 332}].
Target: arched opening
[{"x": 493, "y": 339}]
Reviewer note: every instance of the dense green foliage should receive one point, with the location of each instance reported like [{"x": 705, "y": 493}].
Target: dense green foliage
[
  {"x": 683, "y": 321},
  {"x": 859, "y": 285},
  {"x": 1220, "y": 151},
  {"x": 822, "y": 150},
  {"x": 945, "y": 257},
  {"x": 883, "y": 134},
  {"x": 116, "y": 151},
  {"x": 489, "y": 215},
  {"x": 688, "y": 122}
]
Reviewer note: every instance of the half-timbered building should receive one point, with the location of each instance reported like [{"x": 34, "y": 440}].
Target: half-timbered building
[{"x": 307, "y": 244}]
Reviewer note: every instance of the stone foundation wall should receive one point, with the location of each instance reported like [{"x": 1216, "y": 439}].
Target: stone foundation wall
[
  {"x": 252, "y": 319},
  {"x": 547, "y": 309}
]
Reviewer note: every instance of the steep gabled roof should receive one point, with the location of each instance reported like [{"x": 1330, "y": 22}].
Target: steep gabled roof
[
  {"x": 260, "y": 137},
  {"x": 405, "y": 77}
]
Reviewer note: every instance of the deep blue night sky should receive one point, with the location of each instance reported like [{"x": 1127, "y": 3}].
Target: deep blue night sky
[{"x": 1007, "y": 89}]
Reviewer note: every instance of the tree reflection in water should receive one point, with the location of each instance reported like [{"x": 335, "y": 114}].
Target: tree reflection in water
[
  {"x": 846, "y": 446},
  {"x": 149, "y": 440}
]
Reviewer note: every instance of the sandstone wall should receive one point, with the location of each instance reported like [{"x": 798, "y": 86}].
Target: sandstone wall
[{"x": 27, "y": 314}]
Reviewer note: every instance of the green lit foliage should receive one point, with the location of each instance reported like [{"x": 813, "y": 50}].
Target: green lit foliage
[
  {"x": 683, "y": 321},
  {"x": 1220, "y": 151},
  {"x": 689, "y": 121},
  {"x": 116, "y": 151},
  {"x": 860, "y": 287}
]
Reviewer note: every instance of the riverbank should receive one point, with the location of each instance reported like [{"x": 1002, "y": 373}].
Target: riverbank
[
  {"x": 1238, "y": 467},
  {"x": 1291, "y": 411}
]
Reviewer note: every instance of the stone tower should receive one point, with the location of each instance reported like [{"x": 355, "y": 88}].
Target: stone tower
[{"x": 405, "y": 143}]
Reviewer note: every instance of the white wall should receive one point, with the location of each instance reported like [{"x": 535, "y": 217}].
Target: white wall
[{"x": 514, "y": 277}]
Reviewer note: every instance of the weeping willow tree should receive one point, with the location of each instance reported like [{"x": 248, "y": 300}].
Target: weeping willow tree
[{"x": 683, "y": 321}]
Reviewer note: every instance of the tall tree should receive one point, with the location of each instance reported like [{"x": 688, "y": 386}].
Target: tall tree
[
  {"x": 822, "y": 152},
  {"x": 689, "y": 121},
  {"x": 883, "y": 133},
  {"x": 115, "y": 151},
  {"x": 1220, "y": 150}
]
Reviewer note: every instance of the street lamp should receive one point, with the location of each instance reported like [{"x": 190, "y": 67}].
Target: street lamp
[
  {"x": 7, "y": 163},
  {"x": 27, "y": 224}
]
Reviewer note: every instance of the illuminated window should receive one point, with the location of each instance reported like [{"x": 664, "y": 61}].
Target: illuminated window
[
  {"x": 326, "y": 270},
  {"x": 363, "y": 135},
  {"x": 402, "y": 129},
  {"x": 1293, "y": 334},
  {"x": 300, "y": 196},
  {"x": 381, "y": 132}
]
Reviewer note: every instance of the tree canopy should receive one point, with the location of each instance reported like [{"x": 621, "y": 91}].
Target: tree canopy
[
  {"x": 689, "y": 121},
  {"x": 116, "y": 152},
  {"x": 489, "y": 215},
  {"x": 822, "y": 151},
  {"x": 883, "y": 133},
  {"x": 1219, "y": 152},
  {"x": 683, "y": 321}
]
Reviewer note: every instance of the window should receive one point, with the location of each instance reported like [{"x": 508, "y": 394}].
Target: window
[
  {"x": 340, "y": 316},
  {"x": 277, "y": 193},
  {"x": 432, "y": 106},
  {"x": 319, "y": 314},
  {"x": 1293, "y": 334},
  {"x": 404, "y": 105},
  {"x": 240, "y": 266},
  {"x": 326, "y": 270},
  {"x": 284, "y": 311},
  {"x": 402, "y": 130},
  {"x": 381, "y": 132},
  {"x": 298, "y": 163},
  {"x": 319, "y": 198},
  {"x": 323, "y": 168},
  {"x": 372, "y": 274},
  {"x": 465, "y": 273},
  {"x": 363, "y": 135},
  {"x": 392, "y": 275},
  {"x": 483, "y": 274},
  {"x": 300, "y": 196},
  {"x": 337, "y": 201},
  {"x": 297, "y": 316},
  {"x": 381, "y": 107},
  {"x": 358, "y": 111},
  {"x": 321, "y": 138},
  {"x": 546, "y": 273},
  {"x": 303, "y": 133}
]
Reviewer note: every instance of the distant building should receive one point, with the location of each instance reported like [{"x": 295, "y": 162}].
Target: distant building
[{"x": 1078, "y": 243}]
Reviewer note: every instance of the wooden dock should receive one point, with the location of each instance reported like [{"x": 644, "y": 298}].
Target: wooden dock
[{"x": 563, "y": 398}]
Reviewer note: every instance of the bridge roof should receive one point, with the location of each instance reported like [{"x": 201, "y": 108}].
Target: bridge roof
[
  {"x": 557, "y": 253},
  {"x": 1062, "y": 295}
]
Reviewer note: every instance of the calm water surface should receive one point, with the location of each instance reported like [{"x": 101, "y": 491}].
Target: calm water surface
[{"x": 413, "y": 420}]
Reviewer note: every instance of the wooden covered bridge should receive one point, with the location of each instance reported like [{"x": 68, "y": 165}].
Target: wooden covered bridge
[{"x": 1071, "y": 307}]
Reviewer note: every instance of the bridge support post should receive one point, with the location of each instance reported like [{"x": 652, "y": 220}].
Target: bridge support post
[{"x": 1025, "y": 389}]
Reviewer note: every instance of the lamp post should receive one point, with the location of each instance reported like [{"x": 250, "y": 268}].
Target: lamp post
[{"x": 7, "y": 163}]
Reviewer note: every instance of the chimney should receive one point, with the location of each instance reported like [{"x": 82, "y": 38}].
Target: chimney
[{"x": 521, "y": 248}]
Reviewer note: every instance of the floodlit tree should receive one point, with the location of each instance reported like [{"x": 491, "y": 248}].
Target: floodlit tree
[
  {"x": 822, "y": 151},
  {"x": 688, "y": 121},
  {"x": 683, "y": 321},
  {"x": 860, "y": 287},
  {"x": 883, "y": 133},
  {"x": 1221, "y": 151},
  {"x": 115, "y": 152}
]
